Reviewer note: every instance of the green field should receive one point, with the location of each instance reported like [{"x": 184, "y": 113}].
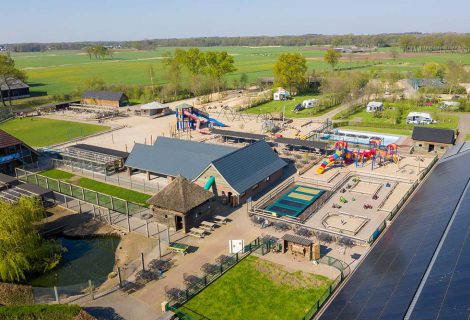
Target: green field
[
  {"x": 467, "y": 137},
  {"x": 122, "y": 193},
  {"x": 275, "y": 107},
  {"x": 40, "y": 132},
  {"x": 257, "y": 289},
  {"x": 393, "y": 118},
  {"x": 63, "y": 71}
]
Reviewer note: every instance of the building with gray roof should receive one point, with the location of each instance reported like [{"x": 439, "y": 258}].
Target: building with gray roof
[
  {"x": 235, "y": 173},
  {"x": 105, "y": 98}
]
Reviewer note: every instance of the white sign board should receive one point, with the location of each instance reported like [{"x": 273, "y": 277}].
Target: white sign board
[{"x": 236, "y": 246}]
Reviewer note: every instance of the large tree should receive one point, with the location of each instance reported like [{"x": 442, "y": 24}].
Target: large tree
[
  {"x": 174, "y": 63},
  {"x": 217, "y": 65},
  {"x": 434, "y": 70},
  {"x": 332, "y": 57},
  {"x": 9, "y": 74},
  {"x": 22, "y": 249},
  {"x": 290, "y": 71}
]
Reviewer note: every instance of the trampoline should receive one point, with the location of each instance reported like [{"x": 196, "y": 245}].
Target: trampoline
[{"x": 295, "y": 201}]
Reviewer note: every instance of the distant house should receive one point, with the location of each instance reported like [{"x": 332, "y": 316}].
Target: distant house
[
  {"x": 105, "y": 98},
  {"x": 182, "y": 205},
  {"x": 374, "y": 106},
  {"x": 155, "y": 109},
  {"x": 17, "y": 88},
  {"x": 434, "y": 140}
]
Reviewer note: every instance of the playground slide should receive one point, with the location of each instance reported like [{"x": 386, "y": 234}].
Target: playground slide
[
  {"x": 214, "y": 121},
  {"x": 198, "y": 122},
  {"x": 209, "y": 183},
  {"x": 327, "y": 161}
]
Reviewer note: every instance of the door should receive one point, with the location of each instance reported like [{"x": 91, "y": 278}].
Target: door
[
  {"x": 431, "y": 148},
  {"x": 178, "y": 223}
]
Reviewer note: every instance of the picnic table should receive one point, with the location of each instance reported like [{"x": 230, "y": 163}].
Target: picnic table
[
  {"x": 208, "y": 224},
  {"x": 198, "y": 231},
  {"x": 178, "y": 247},
  {"x": 221, "y": 219}
]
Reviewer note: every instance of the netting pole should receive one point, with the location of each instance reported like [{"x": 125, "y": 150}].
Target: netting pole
[
  {"x": 143, "y": 263},
  {"x": 56, "y": 295}
]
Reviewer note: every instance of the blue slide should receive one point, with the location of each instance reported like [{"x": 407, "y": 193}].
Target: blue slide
[{"x": 214, "y": 121}]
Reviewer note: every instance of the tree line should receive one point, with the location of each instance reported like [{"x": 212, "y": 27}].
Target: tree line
[
  {"x": 99, "y": 52},
  {"x": 408, "y": 41},
  {"x": 435, "y": 43}
]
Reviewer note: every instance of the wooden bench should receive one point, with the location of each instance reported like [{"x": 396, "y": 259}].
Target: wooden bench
[{"x": 207, "y": 224}]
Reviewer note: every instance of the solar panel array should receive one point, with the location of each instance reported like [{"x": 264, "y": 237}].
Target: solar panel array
[{"x": 386, "y": 283}]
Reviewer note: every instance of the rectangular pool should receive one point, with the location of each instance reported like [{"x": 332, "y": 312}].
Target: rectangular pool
[
  {"x": 294, "y": 202},
  {"x": 360, "y": 137}
]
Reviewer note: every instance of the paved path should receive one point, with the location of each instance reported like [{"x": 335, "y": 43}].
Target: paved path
[{"x": 464, "y": 126}]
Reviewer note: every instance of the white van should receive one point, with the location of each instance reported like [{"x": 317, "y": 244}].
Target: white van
[
  {"x": 310, "y": 103},
  {"x": 419, "y": 118}
]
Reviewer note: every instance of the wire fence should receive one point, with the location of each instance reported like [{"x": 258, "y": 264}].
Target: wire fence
[
  {"x": 195, "y": 284},
  {"x": 100, "y": 173},
  {"x": 80, "y": 193}
]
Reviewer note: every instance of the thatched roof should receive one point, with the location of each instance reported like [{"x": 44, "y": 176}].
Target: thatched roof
[{"x": 181, "y": 195}]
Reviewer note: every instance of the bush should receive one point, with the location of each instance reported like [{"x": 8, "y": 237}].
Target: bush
[
  {"x": 15, "y": 294},
  {"x": 39, "y": 312}
]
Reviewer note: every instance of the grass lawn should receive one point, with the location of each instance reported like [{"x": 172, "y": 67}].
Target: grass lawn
[
  {"x": 40, "y": 132},
  {"x": 257, "y": 289},
  {"x": 385, "y": 121},
  {"x": 467, "y": 136},
  {"x": 123, "y": 193},
  {"x": 34, "y": 312},
  {"x": 278, "y": 106}
]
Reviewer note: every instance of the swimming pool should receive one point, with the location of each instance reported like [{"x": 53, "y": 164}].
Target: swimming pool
[
  {"x": 360, "y": 137},
  {"x": 294, "y": 202}
]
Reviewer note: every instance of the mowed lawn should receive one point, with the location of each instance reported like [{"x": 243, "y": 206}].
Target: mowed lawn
[
  {"x": 257, "y": 289},
  {"x": 40, "y": 132},
  {"x": 275, "y": 107},
  {"x": 115, "y": 191}
]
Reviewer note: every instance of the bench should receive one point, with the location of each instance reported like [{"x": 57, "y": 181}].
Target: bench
[{"x": 178, "y": 247}]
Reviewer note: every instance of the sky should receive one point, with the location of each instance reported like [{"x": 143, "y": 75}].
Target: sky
[{"x": 115, "y": 20}]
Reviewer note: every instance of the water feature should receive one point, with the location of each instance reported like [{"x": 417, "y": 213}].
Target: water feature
[
  {"x": 360, "y": 137},
  {"x": 85, "y": 259}
]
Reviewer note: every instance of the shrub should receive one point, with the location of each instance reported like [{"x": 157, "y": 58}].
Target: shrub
[
  {"x": 36, "y": 312},
  {"x": 15, "y": 294}
]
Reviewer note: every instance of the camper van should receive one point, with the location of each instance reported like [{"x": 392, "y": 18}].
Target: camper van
[
  {"x": 310, "y": 103},
  {"x": 419, "y": 118},
  {"x": 374, "y": 106},
  {"x": 281, "y": 95}
]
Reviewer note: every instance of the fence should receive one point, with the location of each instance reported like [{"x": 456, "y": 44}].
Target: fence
[
  {"x": 77, "y": 192},
  {"x": 344, "y": 269},
  {"x": 100, "y": 173},
  {"x": 179, "y": 297}
]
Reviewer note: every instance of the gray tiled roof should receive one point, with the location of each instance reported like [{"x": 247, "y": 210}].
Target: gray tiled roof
[
  {"x": 103, "y": 95},
  {"x": 433, "y": 135},
  {"x": 175, "y": 157},
  {"x": 297, "y": 239},
  {"x": 245, "y": 167},
  {"x": 13, "y": 84}
]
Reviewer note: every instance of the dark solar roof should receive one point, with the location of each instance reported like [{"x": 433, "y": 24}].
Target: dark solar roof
[
  {"x": 175, "y": 157},
  {"x": 110, "y": 152},
  {"x": 297, "y": 239},
  {"x": 239, "y": 134},
  {"x": 302, "y": 143},
  {"x": 245, "y": 167},
  {"x": 420, "y": 268},
  {"x": 433, "y": 135},
  {"x": 103, "y": 95}
]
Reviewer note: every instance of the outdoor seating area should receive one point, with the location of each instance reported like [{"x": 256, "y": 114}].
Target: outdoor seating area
[{"x": 205, "y": 228}]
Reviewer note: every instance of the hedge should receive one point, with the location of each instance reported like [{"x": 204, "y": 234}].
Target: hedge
[
  {"x": 42, "y": 312},
  {"x": 15, "y": 294}
]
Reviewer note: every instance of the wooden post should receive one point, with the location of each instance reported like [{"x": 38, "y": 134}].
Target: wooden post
[
  {"x": 143, "y": 264},
  {"x": 119, "y": 277},
  {"x": 90, "y": 284},
  {"x": 147, "y": 228},
  {"x": 56, "y": 295},
  {"x": 128, "y": 222},
  {"x": 109, "y": 216},
  {"x": 159, "y": 242}
]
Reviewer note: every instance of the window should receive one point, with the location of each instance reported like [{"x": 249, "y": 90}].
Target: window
[
  {"x": 420, "y": 145},
  {"x": 442, "y": 148},
  {"x": 255, "y": 186}
]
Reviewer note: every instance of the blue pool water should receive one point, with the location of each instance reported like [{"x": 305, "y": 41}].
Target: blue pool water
[{"x": 360, "y": 137}]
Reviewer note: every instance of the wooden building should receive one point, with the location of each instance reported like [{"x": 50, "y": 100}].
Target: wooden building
[
  {"x": 300, "y": 247},
  {"x": 105, "y": 98},
  {"x": 14, "y": 153},
  {"x": 432, "y": 140},
  {"x": 14, "y": 87},
  {"x": 182, "y": 205}
]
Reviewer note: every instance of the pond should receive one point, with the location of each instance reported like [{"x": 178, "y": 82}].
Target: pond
[{"x": 85, "y": 259}]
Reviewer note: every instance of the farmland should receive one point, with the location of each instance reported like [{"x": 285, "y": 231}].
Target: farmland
[{"x": 62, "y": 72}]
